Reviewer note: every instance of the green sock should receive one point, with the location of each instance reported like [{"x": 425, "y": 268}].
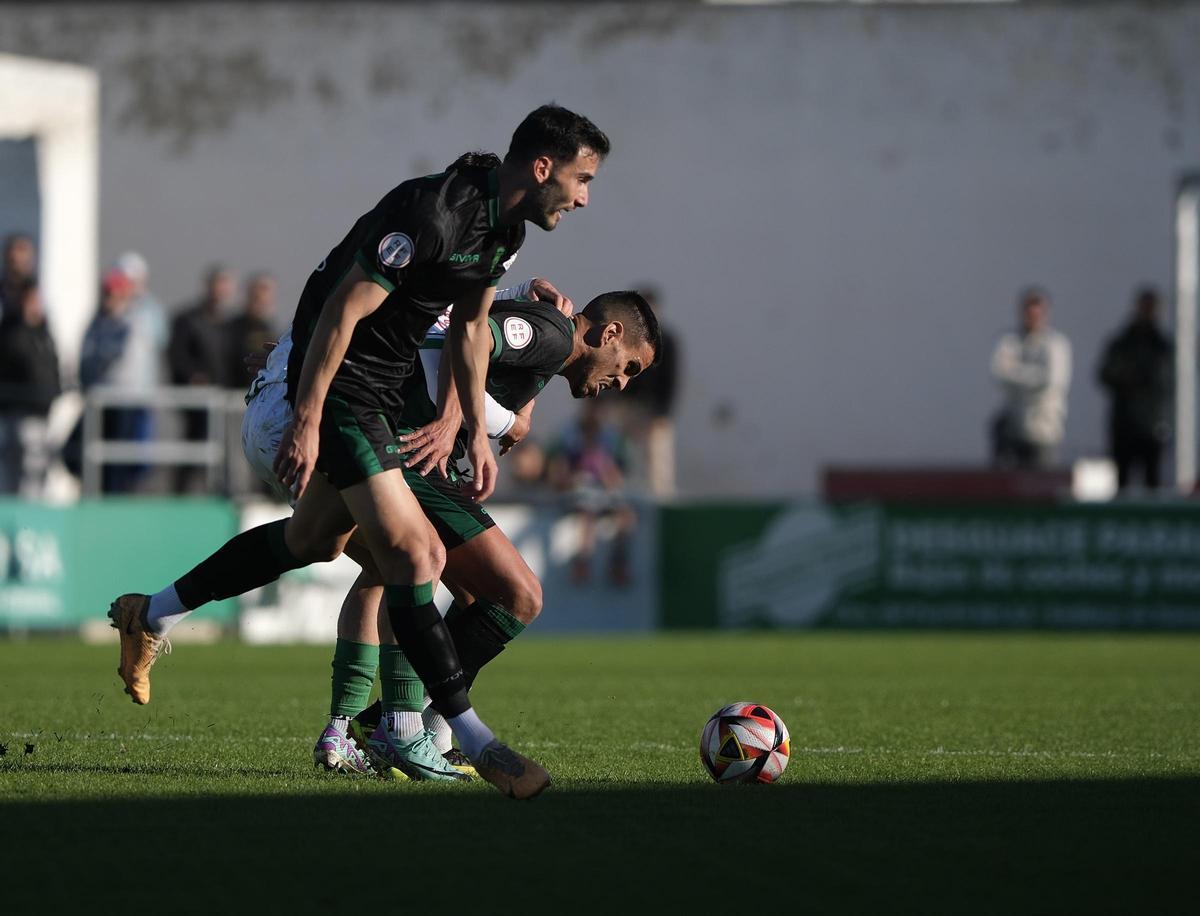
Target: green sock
[
  {"x": 400, "y": 688},
  {"x": 354, "y": 666},
  {"x": 503, "y": 620}
]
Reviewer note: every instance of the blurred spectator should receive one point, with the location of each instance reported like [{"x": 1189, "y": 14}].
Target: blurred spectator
[
  {"x": 253, "y": 328},
  {"x": 149, "y": 319},
  {"x": 1138, "y": 370},
  {"x": 29, "y": 383},
  {"x": 588, "y": 464},
  {"x": 1033, "y": 368},
  {"x": 20, "y": 263},
  {"x": 119, "y": 351},
  {"x": 198, "y": 354},
  {"x": 650, "y": 400}
]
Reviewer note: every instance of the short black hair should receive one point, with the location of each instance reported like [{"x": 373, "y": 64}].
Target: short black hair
[
  {"x": 1033, "y": 294},
  {"x": 555, "y": 132},
  {"x": 631, "y": 309},
  {"x": 478, "y": 158}
]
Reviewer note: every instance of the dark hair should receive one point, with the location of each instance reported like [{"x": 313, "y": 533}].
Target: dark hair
[
  {"x": 555, "y": 132},
  {"x": 628, "y": 307},
  {"x": 1147, "y": 296},
  {"x": 1033, "y": 294},
  {"x": 479, "y": 158}
]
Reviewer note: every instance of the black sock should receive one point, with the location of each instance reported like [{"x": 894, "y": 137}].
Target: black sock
[
  {"x": 423, "y": 636},
  {"x": 249, "y": 561},
  {"x": 477, "y": 635},
  {"x": 369, "y": 717}
]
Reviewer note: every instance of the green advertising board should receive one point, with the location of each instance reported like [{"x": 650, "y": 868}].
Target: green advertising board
[
  {"x": 60, "y": 566},
  {"x": 1078, "y": 566}
]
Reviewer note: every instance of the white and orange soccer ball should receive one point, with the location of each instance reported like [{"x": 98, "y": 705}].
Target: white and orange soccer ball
[{"x": 745, "y": 742}]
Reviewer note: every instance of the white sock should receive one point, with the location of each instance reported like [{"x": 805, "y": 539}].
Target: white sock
[
  {"x": 473, "y": 736},
  {"x": 436, "y": 723},
  {"x": 165, "y": 611},
  {"x": 340, "y": 724},
  {"x": 403, "y": 726}
]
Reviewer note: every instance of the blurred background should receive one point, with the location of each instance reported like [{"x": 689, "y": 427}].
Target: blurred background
[{"x": 928, "y": 272}]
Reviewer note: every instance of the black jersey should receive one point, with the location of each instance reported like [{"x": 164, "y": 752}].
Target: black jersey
[
  {"x": 530, "y": 343},
  {"x": 429, "y": 241}
]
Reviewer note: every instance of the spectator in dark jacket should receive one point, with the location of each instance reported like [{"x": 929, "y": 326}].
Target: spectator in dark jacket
[
  {"x": 250, "y": 330},
  {"x": 1138, "y": 370},
  {"x": 29, "y": 383},
  {"x": 16, "y": 272},
  {"x": 198, "y": 354}
]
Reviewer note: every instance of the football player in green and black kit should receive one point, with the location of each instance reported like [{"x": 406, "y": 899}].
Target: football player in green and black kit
[
  {"x": 610, "y": 342},
  {"x": 431, "y": 241}
]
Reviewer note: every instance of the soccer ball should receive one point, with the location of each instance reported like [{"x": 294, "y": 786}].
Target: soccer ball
[{"x": 744, "y": 742}]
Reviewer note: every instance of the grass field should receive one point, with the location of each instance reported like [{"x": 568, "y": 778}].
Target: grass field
[{"x": 930, "y": 773}]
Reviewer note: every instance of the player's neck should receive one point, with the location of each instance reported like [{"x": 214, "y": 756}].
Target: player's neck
[
  {"x": 511, "y": 194},
  {"x": 578, "y": 343}
]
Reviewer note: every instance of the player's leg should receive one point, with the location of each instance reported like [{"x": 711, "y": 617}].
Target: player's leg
[
  {"x": 394, "y": 528},
  {"x": 355, "y": 659},
  {"x": 397, "y": 741},
  {"x": 316, "y": 532}
]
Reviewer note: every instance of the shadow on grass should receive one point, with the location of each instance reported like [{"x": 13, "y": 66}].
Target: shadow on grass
[{"x": 1035, "y": 847}]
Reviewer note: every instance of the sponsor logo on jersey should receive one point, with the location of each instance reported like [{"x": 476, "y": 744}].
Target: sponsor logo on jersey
[
  {"x": 396, "y": 250},
  {"x": 517, "y": 332},
  {"x": 459, "y": 258},
  {"x": 509, "y": 262}
]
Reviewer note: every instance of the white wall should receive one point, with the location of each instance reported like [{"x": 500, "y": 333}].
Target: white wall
[{"x": 839, "y": 202}]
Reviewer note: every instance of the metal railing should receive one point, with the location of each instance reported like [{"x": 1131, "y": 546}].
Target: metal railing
[{"x": 219, "y": 454}]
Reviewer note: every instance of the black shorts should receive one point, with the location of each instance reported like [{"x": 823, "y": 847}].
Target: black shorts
[
  {"x": 357, "y": 442},
  {"x": 448, "y": 505}
]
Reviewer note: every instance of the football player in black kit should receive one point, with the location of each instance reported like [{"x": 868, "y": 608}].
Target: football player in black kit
[{"x": 431, "y": 241}]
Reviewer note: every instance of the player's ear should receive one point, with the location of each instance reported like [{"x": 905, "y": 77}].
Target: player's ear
[
  {"x": 612, "y": 331},
  {"x": 543, "y": 168}
]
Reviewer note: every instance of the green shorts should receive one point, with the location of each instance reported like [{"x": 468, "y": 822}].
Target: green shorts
[
  {"x": 357, "y": 442},
  {"x": 448, "y": 505}
]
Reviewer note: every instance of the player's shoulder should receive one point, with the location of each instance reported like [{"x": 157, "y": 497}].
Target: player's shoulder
[
  {"x": 543, "y": 313},
  {"x": 521, "y": 322}
]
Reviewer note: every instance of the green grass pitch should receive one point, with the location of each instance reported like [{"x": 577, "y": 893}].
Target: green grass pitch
[{"x": 930, "y": 773}]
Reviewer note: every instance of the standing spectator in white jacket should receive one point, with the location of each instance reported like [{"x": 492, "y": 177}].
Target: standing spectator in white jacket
[{"x": 1033, "y": 368}]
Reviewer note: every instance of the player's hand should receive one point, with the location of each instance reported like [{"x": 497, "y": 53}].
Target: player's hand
[
  {"x": 256, "y": 362},
  {"x": 479, "y": 452},
  {"x": 430, "y": 446},
  {"x": 545, "y": 291},
  {"x": 297, "y": 456},
  {"x": 519, "y": 430}
]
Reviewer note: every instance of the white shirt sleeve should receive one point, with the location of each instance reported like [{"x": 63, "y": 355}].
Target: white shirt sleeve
[
  {"x": 498, "y": 419},
  {"x": 520, "y": 291}
]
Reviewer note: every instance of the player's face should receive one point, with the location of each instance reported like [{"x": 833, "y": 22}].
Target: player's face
[
  {"x": 610, "y": 366},
  {"x": 562, "y": 186}
]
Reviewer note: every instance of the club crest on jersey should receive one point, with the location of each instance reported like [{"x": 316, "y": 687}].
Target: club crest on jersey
[
  {"x": 395, "y": 250},
  {"x": 517, "y": 332}
]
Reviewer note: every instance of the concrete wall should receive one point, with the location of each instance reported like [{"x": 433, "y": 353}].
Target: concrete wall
[{"x": 840, "y": 202}]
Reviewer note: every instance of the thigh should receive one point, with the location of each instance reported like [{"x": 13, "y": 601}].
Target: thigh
[
  {"x": 392, "y": 525},
  {"x": 321, "y": 524},
  {"x": 489, "y": 567}
]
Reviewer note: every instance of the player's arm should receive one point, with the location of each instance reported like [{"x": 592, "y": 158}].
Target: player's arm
[
  {"x": 470, "y": 344},
  {"x": 522, "y": 423},
  {"x": 356, "y": 297}
]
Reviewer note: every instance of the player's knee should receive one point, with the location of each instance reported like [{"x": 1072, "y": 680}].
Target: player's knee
[
  {"x": 409, "y": 558},
  {"x": 313, "y": 546},
  {"x": 526, "y": 602}
]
